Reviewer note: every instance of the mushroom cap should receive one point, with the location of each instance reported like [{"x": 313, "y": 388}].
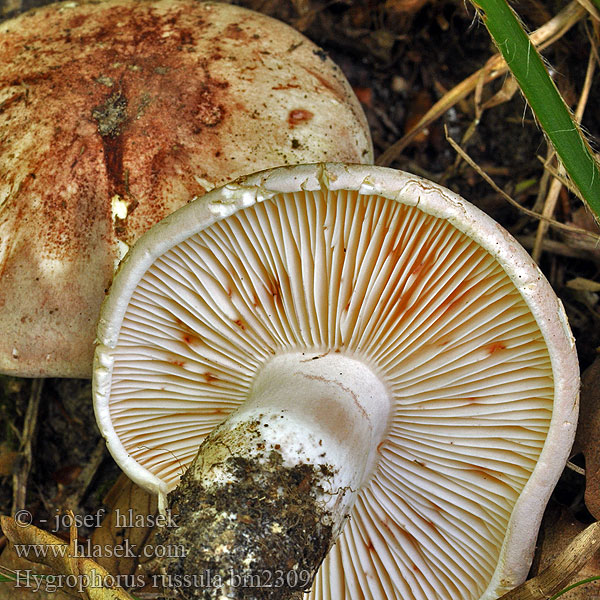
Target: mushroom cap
[
  {"x": 116, "y": 113},
  {"x": 387, "y": 268}
]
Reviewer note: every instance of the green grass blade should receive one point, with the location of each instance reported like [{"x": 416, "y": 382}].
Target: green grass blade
[
  {"x": 544, "y": 98},
  {"x": 569, "y": 588}
]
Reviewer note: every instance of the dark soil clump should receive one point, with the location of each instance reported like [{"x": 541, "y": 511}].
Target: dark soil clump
[{"x": 259, "y": 533}]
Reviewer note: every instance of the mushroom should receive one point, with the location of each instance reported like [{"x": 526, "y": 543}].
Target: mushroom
[
  {"x": 112, "y": 115},
  {"x": 394, "y": 371}
]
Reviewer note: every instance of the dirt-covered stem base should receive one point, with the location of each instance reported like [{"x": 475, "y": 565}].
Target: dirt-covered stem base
[{"x": 271, "y": 488}]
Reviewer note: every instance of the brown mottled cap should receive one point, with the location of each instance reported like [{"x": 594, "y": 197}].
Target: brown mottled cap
[{"x": 114, "y": 114}]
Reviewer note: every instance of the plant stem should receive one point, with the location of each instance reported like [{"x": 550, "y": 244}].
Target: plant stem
[{"x": 544, "y": 98}]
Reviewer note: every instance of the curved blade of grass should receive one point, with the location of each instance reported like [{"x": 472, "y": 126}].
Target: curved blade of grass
[
  {"x": 569, "y": 588},
  {"x": 543, "y": 97}
]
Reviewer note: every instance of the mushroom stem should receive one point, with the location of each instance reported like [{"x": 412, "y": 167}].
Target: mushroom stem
[{"x": 271, "y": 487}]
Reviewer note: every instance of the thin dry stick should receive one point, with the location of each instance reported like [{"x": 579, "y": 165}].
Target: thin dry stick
[
  {"x": 21, "y": 474},
  {"x": 84, "y": 479},
  {"x": 591, "y": 8},
  {"x": 543, "y": 37},
  {"x": 569, "y": 562},
  {"x": 576, "y": 468},
  {"x": 547, "y": 211},
  {"x": 543, "y": 184},
  {"x": 555, "y": 247},
  {"x": 513, "y": 202},
  {"x": 556, "y": 185}
]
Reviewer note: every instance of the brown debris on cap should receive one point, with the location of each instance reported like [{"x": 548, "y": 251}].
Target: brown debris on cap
[{"x": 114, "y": 114}]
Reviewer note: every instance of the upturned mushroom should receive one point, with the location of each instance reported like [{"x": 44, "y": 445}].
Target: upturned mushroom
[
  {"x": 397, "y": 378},
  {"x": 112, "y": 115}
]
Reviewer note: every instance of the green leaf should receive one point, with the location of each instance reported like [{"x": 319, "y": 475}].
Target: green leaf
[{"x": 544, "y": 98}]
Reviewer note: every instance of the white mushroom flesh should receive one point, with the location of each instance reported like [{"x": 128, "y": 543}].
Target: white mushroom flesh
[{"x": 428, "y": 310}]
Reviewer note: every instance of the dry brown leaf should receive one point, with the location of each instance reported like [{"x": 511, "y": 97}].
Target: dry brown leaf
[
  {"x": 74, "y": 575},
  {"x": 123, "y": 526},
  {"x": 11, "y": 565},
  {"x": 587, "y": 439}
]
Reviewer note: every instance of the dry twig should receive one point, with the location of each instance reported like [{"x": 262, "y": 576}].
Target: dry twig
[
  {"x": 495, "y": 67},
  {"x": 569, "y": 562},
  {"x": 513, "y": 202},
  {"x": 21, "y": 474},
  {"x": 84, "y": 479}
]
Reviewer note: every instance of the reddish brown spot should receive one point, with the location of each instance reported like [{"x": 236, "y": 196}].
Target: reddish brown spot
[
  {"x": 190, "y": 339},
  {"x": 409, "y": 536},
  {"x": 458, "y": 296},
  {"x": 336, "y": 91},
  {"x": 240, "y": 324},
  {"x": 386, "y": 525},
  {"x": 286, "y": 86},
  {"x": 443, "y": 341},
  {"x": 273, "y": 287},
  {"x": 298, "y": 116},
  {"x": 402, "y": 299},
  {"x": 77, "y": 21},
  {"x": 234, "y": 32},
  {"x": 370, "y": 546},
  {"x": 208, "y": 113},
  {"x": 209, "y": 377},
  {"x": 177, "y": 363},
  {"x": 417, "y": 269},
  {"x": 496, "y": 347},
  {"x": 188, "y": 335},
  {"x": 203, "y": 411}
]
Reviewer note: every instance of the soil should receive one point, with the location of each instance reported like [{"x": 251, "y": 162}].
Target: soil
[
  {"x": 234, "y": 529},
  {"x": 400, "y": 56}
]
